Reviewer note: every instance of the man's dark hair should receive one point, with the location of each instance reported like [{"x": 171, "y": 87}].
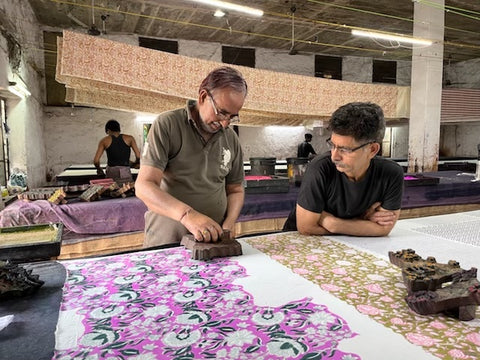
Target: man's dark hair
[
  {"x": 308, "y": 136},
  {"x": 224, "y": 77},
  {"x": 361, "y": 120},
  {"x": 112, "y": 125}
]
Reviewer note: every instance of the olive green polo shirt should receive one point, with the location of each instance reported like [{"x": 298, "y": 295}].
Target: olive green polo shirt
[{"x": 195, "y": 172}]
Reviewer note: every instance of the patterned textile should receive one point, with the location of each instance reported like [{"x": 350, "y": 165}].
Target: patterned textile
[
  {"x": 104, "y": 73},
  {"x": 164, "y": 305},
  {"x": 375, "y": 287}
]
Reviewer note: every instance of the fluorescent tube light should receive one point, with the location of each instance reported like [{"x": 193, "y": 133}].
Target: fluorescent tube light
[
  {"x": 230, "y": 6},
  {"x": 18, "y": 89},
  {"x": 219, "y": 13},
  {"x": 399, "y": 38}
]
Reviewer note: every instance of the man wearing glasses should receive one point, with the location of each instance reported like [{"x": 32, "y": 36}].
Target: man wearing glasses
[
  {"x": 350, "y": 190},
  {"x": 191, "y": 170}
]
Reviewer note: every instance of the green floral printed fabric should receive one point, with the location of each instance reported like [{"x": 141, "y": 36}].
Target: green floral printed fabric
[{"x": 374, "y": 287}]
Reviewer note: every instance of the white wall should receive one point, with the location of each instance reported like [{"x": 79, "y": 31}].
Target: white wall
[
  {"x": 278, "y": 141},
  {"x": 464, "y": 74},
  {"x": 460, "y": 140},
  {"x": 24, "y": 116},
  {"x": 72, "y": 134}
]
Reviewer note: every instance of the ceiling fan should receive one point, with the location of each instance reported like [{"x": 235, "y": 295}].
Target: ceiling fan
[
  {"x": 92, "y": 29},
  {"x": 447, "y": 76}
]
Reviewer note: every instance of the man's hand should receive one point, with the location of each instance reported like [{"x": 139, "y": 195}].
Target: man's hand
[
  {"x": 202, "y": 227},
  {"x": 135, "y": 165},
  {"x": 378, "y": 215}
]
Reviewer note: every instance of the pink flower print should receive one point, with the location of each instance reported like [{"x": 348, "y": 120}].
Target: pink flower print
[
  {"x": 419, "y": 339},
  {"x": 451, "y": 333},
  {"x": 375, "y": 288},
  {"x": 312, "y": 257},
  {"x": 352, "y": 296},
  {"x": 278, "y": 257},
  {"x": 457, "y": 354},
  {"x": 438, "y": 325},
  {"x": 301, "y": 271},
  {"x": 386, "y": 298},
  {"x": 398, "y": 321},
  {"x": 339, "y": 271},
  {"x": 330, "y": 287},
  {"x": 474, "y": 338},
  {"x": 348, "y": 279},
  {"x": 369, "y": 310}
]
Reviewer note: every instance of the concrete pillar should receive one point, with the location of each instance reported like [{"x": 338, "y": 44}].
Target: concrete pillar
[{"x": 426, "y": 88}]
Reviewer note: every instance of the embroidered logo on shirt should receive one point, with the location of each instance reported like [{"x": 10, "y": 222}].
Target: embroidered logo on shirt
[{"x": 226, "y": 156}]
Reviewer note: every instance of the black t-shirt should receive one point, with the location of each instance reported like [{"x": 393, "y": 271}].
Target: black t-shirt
[
  {"x": 325, "y": 188},
  {"x": 305, "y": 149},
  {"x": 118, "y": 153}
]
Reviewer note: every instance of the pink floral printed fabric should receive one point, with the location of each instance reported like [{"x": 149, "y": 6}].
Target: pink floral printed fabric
[
  {"x": 374, "y": 287},
  {"x": 110, "y": 74},
  {"x": 164, "y": 305}
]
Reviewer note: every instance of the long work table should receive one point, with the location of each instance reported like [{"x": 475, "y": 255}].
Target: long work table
[
  {"x": 287, "y": 297},
  {"x": 106, "y": 226}
]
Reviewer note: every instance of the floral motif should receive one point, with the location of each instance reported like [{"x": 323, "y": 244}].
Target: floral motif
[
  {"x": 101, "y": 72},
  {"x": 375, "y": 288},
  {"x": 185, "y": 309}
]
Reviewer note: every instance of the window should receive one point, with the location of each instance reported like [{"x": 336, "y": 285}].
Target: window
[
  {"x": 384, "y": 71},
  {"x": 238, "y": 56},
  {"x": 55, "y": 91},
  {"x": 169, "y": 46},
  {"x": 329, "y": 67},
  {"x": 4, "y": 162}
]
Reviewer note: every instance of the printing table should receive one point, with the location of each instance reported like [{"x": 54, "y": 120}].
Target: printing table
[
  {"x": 287, "y": 297},
  {"x": 82, "y": 174}
]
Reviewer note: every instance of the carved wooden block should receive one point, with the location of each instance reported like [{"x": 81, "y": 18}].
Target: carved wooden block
[
  {"x": 419, "y": 274},
  {"x": 207, "y": 251},
  {"x": 37, "y": 194},
  {"x": 121, "y": 191},
  {"x": 92, "y": 193},
  {"x": 17, "y": 281},
  {"x": 434, "y": 287},
  {"x": 58, "y": 197},
  {"x": 459, "y": 298}
]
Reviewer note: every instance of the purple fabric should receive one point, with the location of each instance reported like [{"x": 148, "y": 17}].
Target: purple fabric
[
  {"x": 268, "y": 206},
  {"x": 127, "y": 215},
  {"x": 98, "y": 217},
  {"x": 164, "y": 305},
  {"x": 453, "y": 189}
]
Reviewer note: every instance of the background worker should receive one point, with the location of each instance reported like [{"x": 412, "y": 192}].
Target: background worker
[
  {"x": 305, "y": 149},
  {"x": 118, "y": 147}
]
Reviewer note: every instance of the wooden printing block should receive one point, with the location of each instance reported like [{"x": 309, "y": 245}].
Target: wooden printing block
[
  {"x": 121, "y": 191},
  {"x": 58, "y": 197},
  {"x": 424, "y": 274},
  {"x": 92, "y": 193},
  {"x": 460, "y": 299},
  {"x": 16, "y": 281},
  {"x": 434, "y": 287},
  {"x": 206, "y": 251}
]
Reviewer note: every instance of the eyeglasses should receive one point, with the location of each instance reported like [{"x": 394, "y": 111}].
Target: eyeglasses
[
  {"x": 345, "y": 150},
  {"x": 223, "y": 115}
]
